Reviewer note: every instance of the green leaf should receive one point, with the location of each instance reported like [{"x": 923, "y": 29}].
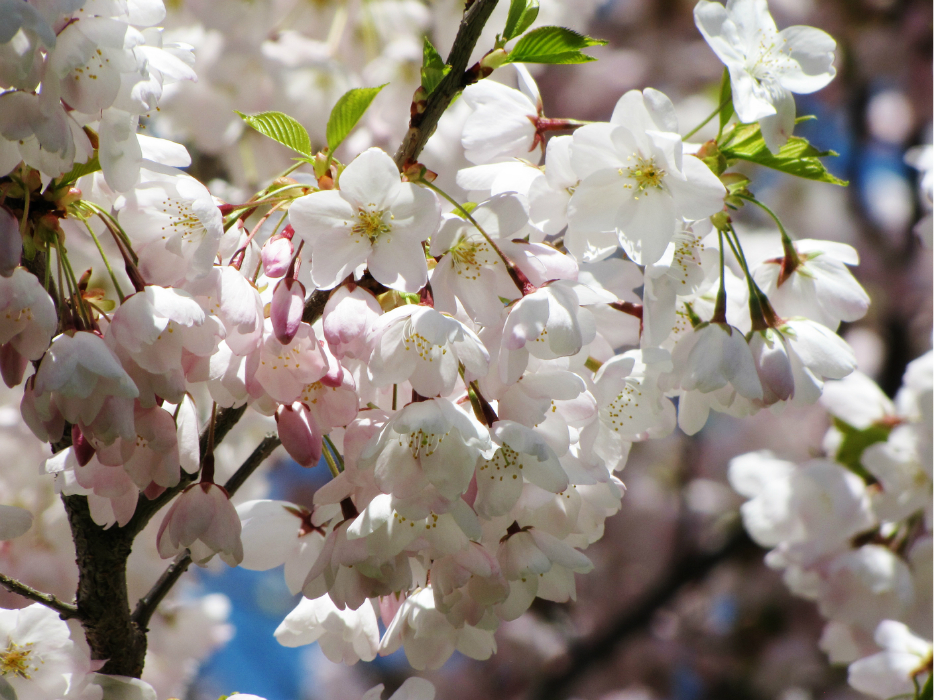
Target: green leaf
[
  {"x": 7, "y": 692},
  {"x": 433, "y": 68},
  {"x": 796, "y": 157},
  {"x": 552, "y": 45},
  {"x": 347, "y": 112},
  {"x": 726, "y": 99},
  {"x": 282, "y": 128},
  {"x": 79, "y": 171},
  {"x": 521, "y": 15},
  {"x": 855, "y": 442},
  {"x": 926, "y": 692}
]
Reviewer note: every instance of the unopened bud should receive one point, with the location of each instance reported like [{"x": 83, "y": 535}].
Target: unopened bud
[
  {"x": 493, "y": 60},
  {"x": 721, "y": 221}
]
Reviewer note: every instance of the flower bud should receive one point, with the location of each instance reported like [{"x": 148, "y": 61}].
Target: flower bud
[
  {"x": 277, "y": 255},
  {"x": 12, "y": 365},
  {"x": 286, "y": 309},
  {"x": 301, "y": 437}
]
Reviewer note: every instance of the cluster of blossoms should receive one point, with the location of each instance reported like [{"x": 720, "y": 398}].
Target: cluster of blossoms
[
  {"x": 852, "y": 531},
  {"x": 474, "y": 377},
  {"x": 75, "y": 78},
  {"x": 299, "y": 58}
]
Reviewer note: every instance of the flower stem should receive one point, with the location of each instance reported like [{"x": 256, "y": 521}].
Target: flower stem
[
  {"x": 704, "y": 123},
  {"x": 510, "y": 266},
  {"x": 207, "y": 464},
  {"x": 719, "y": 313},
  {"x": 331, "y": 457},
  {"x": 100, "y": 250},
  {"x": 760, "y": 310},
  {"x": 25, "y": 220}
]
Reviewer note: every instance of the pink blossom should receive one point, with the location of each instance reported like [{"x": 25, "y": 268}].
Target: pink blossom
[{"x": 203, "y": 520}]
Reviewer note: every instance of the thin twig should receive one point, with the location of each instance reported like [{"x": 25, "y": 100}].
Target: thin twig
[
  {"x": 423, "y": 122},
  {"x": 589, "y": 652},
  {"x": 65, "y": 610},
  {"x": 148, "y": 603}
]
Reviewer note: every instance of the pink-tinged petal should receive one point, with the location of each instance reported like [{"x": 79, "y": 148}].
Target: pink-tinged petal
[
  {"x": 778, "y": 128},
  {"x": 700, "y": 194},
  {"x": 286, "y": 309},
  {"x": 646, "y": 222},
  {"x": 335, "y": 255},
  {"x": 398, "y": 263},
  {"x": 300, "y": 434},
  {"x": 318, "y": 212},
  {"x": 371, "y": 181},
  {"x": 811, "y": 65},
  {"x": 277, "y": 256},
  {"x": 416, "y": 213}
]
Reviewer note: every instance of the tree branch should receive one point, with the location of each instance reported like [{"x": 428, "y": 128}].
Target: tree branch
[
  {"x": 65, "y": 610},
  {"x": 148, "y": 603},
  {"x": 587, "y": 653},
  {"x": 424, "y": 120}
]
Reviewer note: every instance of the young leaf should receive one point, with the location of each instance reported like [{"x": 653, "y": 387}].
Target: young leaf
[
  {"x": 347, "y": 112},
  {"x": 521, "y": 15},
  {"x": 855, "y": 442},
  {"x": 282, "y": 128},
  {"x": 796, "y": 157},
  {"x": 552, "y": 45},
  {"x": 433, "y": 68},
  {"x": 726, "y": 99},
  {"x": 80, "y": 170}
]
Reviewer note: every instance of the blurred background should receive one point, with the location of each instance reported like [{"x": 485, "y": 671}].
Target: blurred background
[{"x": 680, "y": 605}]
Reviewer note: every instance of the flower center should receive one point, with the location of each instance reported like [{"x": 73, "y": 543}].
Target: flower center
[
  {"x": 469, "y": 254},
  {"x": 646, "y": 173},
  {"x": 370, "y": 224},
  {"x": 15, "y": 660},
  {"x": 182, "y": 221},
  {"x": 423, "y": 444}
]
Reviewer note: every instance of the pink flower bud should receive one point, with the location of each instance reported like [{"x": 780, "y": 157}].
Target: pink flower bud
[
  {"x": 288, "y": 305},
  {"x": 299, "y": 433},
  {"x": 11, "y": 243},
  {"x": 12, "y": 365},
  {"x": 84, "y": 450},
  {"x": 277, "y": 254}
]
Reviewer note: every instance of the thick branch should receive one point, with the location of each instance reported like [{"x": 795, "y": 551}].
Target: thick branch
[
  {"x": 423, "y": 122},
  {"x": 587, "y": 653},
  {"x": 102, "y": 600},
  {"x": 65, "y": 610},
  {"x": 148, "y": 603}
]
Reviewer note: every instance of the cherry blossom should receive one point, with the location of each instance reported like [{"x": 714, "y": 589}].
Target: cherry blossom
[
  {"x": 202, "y": 520},
  {"x": 503, "y": 123},
  {"x": 766, "y": 65},
  {"x": 82, "y": 380},
  {"x": 894, "y": 670},
  {"x": 419, "y": 344},
  {"x": 635, "y": 179},
  {"x": 374, "y": 218},
  {"x": 38, "y": 658}
]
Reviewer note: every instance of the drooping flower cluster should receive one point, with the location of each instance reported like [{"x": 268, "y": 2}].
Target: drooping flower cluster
[
  {"x": 852, "y": 531},
  {"x": 76, "y": 77}
]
